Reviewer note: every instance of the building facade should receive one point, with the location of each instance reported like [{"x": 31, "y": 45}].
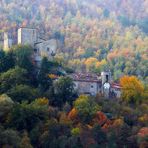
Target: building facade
[
  {"x": 86, "y": 83},
  {"x": 27, "y": 36},
  {"x": 7, "y": 41},
  {"x": 92, "y": 84}
]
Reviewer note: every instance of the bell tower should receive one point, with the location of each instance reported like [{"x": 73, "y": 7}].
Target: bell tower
[
  {"x": 106, "y": 80},
  {"x": 106, "y": 77}
]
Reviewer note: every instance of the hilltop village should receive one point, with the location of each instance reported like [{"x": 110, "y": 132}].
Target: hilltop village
[
  {"x": 73, "y": 73},
  {"x": 85, "y": 83}
]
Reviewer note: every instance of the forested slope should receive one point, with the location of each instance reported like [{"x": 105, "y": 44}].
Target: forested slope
[{"x": 93, "y": 34}]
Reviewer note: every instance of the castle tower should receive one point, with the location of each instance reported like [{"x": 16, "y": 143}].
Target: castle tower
[
  {"x": 27, "y": 36},
  {"x": 7, "y": 41}
]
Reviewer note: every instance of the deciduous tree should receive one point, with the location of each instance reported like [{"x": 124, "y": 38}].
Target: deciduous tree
[{"x": 132, "y": 89}]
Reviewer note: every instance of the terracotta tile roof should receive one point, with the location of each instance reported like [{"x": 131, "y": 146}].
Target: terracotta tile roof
[
  {"x": 116, "y": 85},
  {"x": 86, "y": 77}
]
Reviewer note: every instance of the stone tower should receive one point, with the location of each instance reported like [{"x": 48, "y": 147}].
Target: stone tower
[
  {"x": 106, "y": 80},
  {"x": 27, "y": 36},
  {"x": 106, "y": 77},
  {"x": 7, "y": 41}
]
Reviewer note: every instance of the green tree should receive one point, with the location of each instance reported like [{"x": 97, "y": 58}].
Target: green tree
[
  {"x": 10, "y": 60},
  {"x": 99, "y": 136},
  {"x": 86, "y": 108},
  {"x": 52, "y": 137},
  {"x": 9, "y": 138},
  {"x": 43, "y": 79},
  {"x": 63, "y": 91},
  {"x": 23, "y": 92},
  {"x": 27, "y": 116},
  {"x": 2, "y": 61},
  {"x": 11, "y": 78},
  {"x": 23, "y": 57},
  {"x": 123, "y": 135},
  {"x": 7, "y": 61},
  {"x": 6, "y": 104}
]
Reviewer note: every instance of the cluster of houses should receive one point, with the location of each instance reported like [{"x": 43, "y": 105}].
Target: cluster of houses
[{"x": 85, "y": 83}]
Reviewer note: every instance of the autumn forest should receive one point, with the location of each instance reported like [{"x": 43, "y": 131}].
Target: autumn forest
[{"x": 40, "y": 107}]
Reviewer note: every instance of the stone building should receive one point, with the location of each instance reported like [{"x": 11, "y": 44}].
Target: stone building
[
  {"x": 29, "y": 36},
  {"x": 92, "y": 84},
  {"x": 116, "y": 90},
  {"x": 87, "y": 83},
  {"x": 44, "y": 49},
  {"x": 7, "y": 41}
]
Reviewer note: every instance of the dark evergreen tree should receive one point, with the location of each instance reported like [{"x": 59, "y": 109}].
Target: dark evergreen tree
[
  {"x": 43, "y": 79},
  {"x": 23, "y": 57},
  {"x": 64, "y": 91},
  {"x": 2, "y": 61}
]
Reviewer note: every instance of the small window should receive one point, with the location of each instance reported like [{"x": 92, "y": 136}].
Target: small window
[
  {"x": 48, "y": 49},
  {"x": 107, "y": 77},
  {"x": 35, "y": 50},
  {"x": 92, "y": 86}
]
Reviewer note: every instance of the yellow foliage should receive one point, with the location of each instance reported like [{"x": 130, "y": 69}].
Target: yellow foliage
[
  {"x": 132, "y": 88},
  {"x": 52, "y": 76},
  {"x": 99, "y": 64},
  {"x": 143, "y": 118},
  {"x": 90, "y": 62},
  {"x": 42, "y": 101},
  {"x": 118, "y": 122}
]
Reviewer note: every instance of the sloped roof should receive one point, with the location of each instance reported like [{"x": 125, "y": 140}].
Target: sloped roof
[
  {"x": 116, "y": 85},
  {"x": 86, "y": 77}
]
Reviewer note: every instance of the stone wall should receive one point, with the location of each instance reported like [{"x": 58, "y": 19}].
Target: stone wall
[
  {"x": 87, "y": 87},
  {"x": 45, "y": 49},
  {"x": 27, "y": 36}
]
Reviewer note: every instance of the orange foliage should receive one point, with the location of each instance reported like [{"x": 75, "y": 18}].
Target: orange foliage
[
  {"x": 102, "y": 120},
  {"x": 73, "y": 114},
  {"x": 112, "y": 55},
  {"x": 107, "y": 125},
  {"x": 143, "y": 132},
  {"x": 101, "y": 117}
]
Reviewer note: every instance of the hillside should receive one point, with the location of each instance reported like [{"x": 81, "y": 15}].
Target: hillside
[
  {"x": 94, "y": 34},
  {"x": 59, "y": 100}
]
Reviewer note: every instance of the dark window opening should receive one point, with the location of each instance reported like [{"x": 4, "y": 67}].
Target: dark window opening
[
  {"x": 106, "y": 78},
  {"x": 48, "y": 49},
  {"x": 35, "y": 50}
]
